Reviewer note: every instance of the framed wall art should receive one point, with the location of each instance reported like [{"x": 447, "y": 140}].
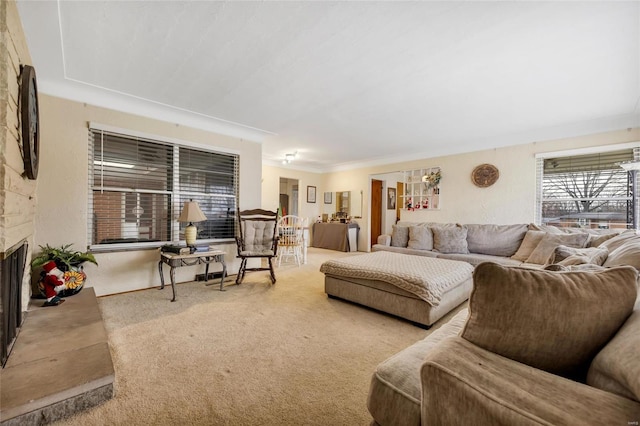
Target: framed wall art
[
  {"x": 391, "y": 198},
  {"x": 311, "y": 194},
  {"x": 328, "y": 197}
]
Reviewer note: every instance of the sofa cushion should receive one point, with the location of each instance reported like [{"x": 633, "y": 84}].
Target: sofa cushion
[
  {"x": 404, "y": 250},
  {"x": 554, "y": 321},
  {"x": 530, "y": 241},
  {"x": 496, "y": 240},
  {"x": 399, "y": 236},
  {"x": 626, "y": 254},
  {"x": 616, "y": 368},
  {"x": 395, "y": 394},
  {"x": 450, "y": 239},
  {"x": 420, "y": 238},
  {"x": 475, "y": 259},
  {"x": 565, "y": 255},
  {"x": 546, "y": 247}
]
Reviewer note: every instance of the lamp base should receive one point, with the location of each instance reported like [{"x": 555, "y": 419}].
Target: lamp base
[{"x": 190, "y": 234}]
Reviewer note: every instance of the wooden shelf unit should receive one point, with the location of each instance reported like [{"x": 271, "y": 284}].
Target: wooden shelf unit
[{"x": 418, "y": 193}]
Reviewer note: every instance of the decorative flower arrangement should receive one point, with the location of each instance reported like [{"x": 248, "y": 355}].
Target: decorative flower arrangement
[
  {"x": 432, "y": 179},
  {"x": 69, "y": 261}
]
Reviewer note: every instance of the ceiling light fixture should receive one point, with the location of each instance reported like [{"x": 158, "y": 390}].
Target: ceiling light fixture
[{"x": 288, "y": 158}]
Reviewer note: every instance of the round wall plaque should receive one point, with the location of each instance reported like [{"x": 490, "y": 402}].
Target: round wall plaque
[
  {"x": 485, "y": 175},
  {"x": 29, "y": 116}
]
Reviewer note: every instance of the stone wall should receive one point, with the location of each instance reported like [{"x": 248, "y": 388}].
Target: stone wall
[{"x": 17, "y": 192}]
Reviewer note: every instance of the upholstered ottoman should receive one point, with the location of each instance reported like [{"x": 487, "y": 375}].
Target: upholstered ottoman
[{"x": 419, "y": 289}]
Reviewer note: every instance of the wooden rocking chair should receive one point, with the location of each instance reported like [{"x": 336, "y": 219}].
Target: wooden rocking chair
[{"x": 258, "y": 239}]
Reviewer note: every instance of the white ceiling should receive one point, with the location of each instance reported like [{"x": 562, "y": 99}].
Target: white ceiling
[{"x": 347, "y": 84}]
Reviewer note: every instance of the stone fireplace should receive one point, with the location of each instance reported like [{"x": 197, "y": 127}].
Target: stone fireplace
[{"x": 12, "y": 268}]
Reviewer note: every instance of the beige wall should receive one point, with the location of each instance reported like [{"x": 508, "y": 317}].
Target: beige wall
[
  {"x": 510, "y": 200},
  {"x": 271, "y": 189},
  {"x": 62, "y": 189},
  {"x": 17, "y": 193}
]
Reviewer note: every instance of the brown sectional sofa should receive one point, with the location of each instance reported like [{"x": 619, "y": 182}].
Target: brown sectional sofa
[{"x": 466, "y": 372}]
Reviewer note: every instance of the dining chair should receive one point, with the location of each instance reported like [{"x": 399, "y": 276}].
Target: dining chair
[{"x": 290, "y": 229}]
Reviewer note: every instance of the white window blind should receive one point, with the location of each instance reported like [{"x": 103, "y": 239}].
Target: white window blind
[
  {"x": 590, "y": 190},
  {"x": 138, "y": 186}
]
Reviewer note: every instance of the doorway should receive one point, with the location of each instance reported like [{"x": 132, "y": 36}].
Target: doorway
[
  {"x": 376, "y": 210},
  {"x": 288, "y": 196}
]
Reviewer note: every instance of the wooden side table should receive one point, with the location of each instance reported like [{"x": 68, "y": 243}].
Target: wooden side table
[{"x": 175, "y": 260}]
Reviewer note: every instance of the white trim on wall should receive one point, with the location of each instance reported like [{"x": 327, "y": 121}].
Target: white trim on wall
[{"x": 159, "y": 138}]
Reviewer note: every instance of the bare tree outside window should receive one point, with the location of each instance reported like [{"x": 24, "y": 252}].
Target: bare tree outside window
[{"x": 590, "y": 191}]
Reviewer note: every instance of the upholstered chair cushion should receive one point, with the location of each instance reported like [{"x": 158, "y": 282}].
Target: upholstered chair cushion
[
  {"x": 496, "y": 240},
  {"x": 565, "y": 255},
  {"x": 420, "y": 238},
  {"x": 546, "y": 247},
  {"x": 531, "y": 240},
  {"x": 450, "y": 240},
  {"x": 258, "y": 236},
  {"x": 399, "y": 236},
  {"x": 554, "y": 321}
]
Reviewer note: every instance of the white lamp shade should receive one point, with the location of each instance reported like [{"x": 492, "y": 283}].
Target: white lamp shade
[{"x": 191, "y": 213}]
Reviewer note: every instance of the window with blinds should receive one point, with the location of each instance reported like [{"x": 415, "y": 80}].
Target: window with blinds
[
  {"x": 138, "y": 187},
  {"x": 588, "y": 191}
]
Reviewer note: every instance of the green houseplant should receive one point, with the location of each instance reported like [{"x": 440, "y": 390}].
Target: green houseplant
[
  {"x": 68, "y": 261},
  {"x": 64, "y": 256}
]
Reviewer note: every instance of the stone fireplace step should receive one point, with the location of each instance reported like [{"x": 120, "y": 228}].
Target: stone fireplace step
[{"x": 60, "y": 363}]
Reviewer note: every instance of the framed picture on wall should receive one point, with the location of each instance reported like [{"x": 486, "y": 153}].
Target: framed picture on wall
[
  {"x": 328, "y": 197},
  {"x": 311, "y": 194},
  {"x": 391, "y": 198}
]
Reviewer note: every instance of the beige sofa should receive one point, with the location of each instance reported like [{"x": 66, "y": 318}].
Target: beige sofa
[
  {"x": 576, "y": 364},
  {"x": 527, "y": 245}
]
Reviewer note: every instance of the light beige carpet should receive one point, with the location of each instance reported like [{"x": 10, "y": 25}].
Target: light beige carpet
[{"x": 255, "y": 354}]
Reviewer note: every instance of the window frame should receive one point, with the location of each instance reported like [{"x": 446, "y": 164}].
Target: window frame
[
  {"x": 540, "y": 157},
  {"x": 173, "y": 192}
]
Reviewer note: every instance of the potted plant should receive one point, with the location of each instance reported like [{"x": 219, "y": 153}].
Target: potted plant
[{"x": 68, "y": 261}]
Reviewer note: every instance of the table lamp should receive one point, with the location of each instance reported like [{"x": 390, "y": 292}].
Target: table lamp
[{"x": 191, "y": 213}]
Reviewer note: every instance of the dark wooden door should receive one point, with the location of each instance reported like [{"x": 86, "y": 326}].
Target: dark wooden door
[{"x": 376, "y": 210}]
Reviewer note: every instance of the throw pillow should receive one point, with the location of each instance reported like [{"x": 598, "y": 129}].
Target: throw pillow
[
  {"x": 581, "y": 267},
  {"x": 450, "y": 240},
  {"x": 399, "y": 236},
  {"x": 420, "y": 238},
  {"x": 554, "y": 321},
  {"x": 496, "y": 240},
  {"x": 626, "y": 254},
  {"x": 596, "y": 239},
  {"x": 541, "y": 255},
  {"x": 565, "y": 255},
  {"x": 620, "y": 239},
  {"x": 529, "y": 243}
]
